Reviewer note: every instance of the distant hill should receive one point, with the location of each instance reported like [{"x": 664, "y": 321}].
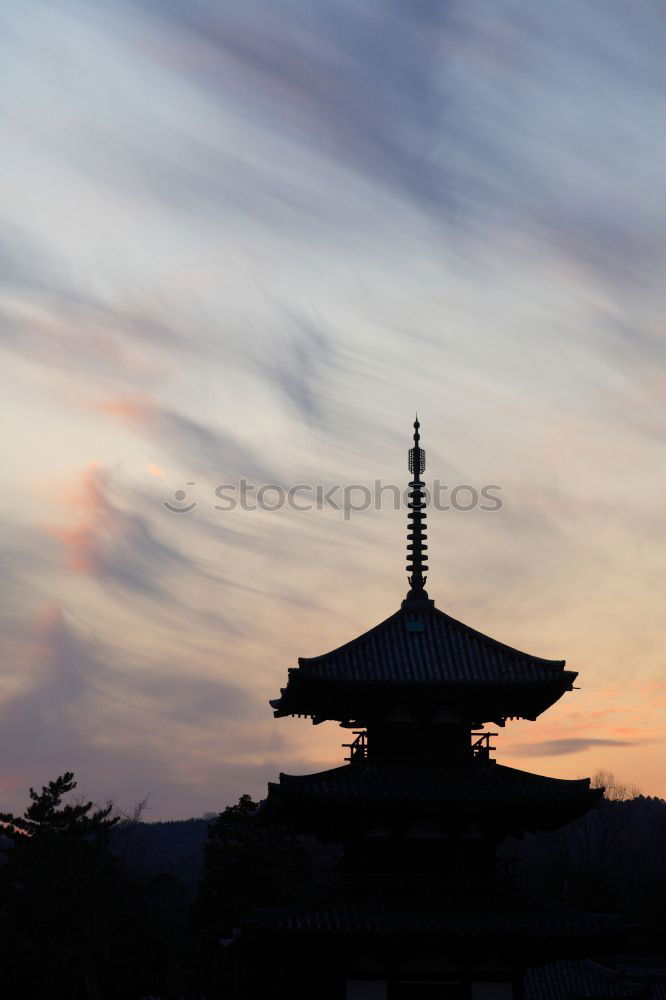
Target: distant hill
[{"x": 174, "y": 847}]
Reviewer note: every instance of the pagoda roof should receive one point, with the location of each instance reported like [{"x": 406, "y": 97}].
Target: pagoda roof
[
  {"x": 421, "y": 647},
  {"x": 460, "y": 916},
  {"x": 502, "y": 796},
  {"x": 587, "y": 980},
  {"x": 444, "y": 784}
]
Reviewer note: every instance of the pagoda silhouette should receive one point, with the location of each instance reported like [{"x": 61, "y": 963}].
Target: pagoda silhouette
[{"x": 420, "y": 906}]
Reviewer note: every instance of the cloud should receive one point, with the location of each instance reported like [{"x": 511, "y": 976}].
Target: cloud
[
  {"x": 71, "y": 717},
  {"x": 118, "y": 534},
  {"x": 362, "y": 81},
  {"x": 301, "y": 365},
  {"x": 250, "y": 240},
  {"x": 110, "y": 538},
  {"x": 195, "y": 445},
  {"x": 487, "y": 118},
  {"x": 558, "y": 748},
  {"x": 193, "y": 700}
]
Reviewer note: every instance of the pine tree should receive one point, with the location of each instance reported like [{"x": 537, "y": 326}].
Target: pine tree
[{"x": 59, "y": 885}]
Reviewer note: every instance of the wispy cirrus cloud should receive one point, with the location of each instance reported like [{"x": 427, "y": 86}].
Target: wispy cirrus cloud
[
  {"x": 251, "y": 240},
  {"x": 99, "y": 716},
  {"x": 195, "y": 445},
  {"x": 566, "y": 745}
]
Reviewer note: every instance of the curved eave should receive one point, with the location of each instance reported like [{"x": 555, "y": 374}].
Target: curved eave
[
  {"x": 483, "y": 700},
  {"x": 547, "y": 929},
  {"x": 352, "y": 798},
  {"x": 470, "y": 782}
]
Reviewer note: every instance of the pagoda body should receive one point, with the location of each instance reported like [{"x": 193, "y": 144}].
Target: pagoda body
[{"x": 420, "y": 907}]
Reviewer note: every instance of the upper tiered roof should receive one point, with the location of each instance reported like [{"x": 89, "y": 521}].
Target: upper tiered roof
[
  {"x": 421, "y": 658},
  {"x": 417, "y": 652}
]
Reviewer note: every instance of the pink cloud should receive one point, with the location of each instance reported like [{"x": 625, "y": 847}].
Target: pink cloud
[
  {"x": 133, "y": 409},
  {"x": 86, "y": 499}
]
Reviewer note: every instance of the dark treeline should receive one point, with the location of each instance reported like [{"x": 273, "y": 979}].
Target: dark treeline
[
  {"x": 98, "y": 905},
  {"x": 611, "y": 860}
]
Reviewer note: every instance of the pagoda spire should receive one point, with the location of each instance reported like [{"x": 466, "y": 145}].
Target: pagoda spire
[{"x": 417, "y": 560}]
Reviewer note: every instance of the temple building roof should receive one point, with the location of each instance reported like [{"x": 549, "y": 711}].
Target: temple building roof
[
  {"x": 421, "y": 646},
  {"x": 516, "y": 799},
  {"x": 586, "y": 980},
  {"x": 442, "y": 784},
  {"x": 462, "y": 916}
]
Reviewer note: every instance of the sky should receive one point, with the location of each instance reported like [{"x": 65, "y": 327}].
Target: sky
[{"x": 249, "y": 240}]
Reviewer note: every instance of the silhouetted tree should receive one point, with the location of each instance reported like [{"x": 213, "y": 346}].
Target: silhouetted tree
[
  {"x": 74, "y": 921},
  {"x": 57, "y": 872},
  {"x": 247, "y": 866}
]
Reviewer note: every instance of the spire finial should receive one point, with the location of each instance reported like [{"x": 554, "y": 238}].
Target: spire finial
[{"x": 416, "y": 548}]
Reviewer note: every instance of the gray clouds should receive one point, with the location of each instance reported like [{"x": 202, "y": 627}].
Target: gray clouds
[
  {"x": 558, "y": 748},
  {"x": 249, "y": 240}
]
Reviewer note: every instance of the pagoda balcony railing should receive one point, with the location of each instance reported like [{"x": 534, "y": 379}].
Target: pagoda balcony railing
[
  {"x": 358, "y": 749},
  {"x": 481, "y": 747}
]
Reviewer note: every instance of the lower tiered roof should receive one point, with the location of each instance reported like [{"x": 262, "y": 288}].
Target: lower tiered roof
[
  {"x": 473, "y": 782},
  {"x": 590, "y": 981},
  {"x": 456, "y": 916},
  {"x": 498, "y": 793}
]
